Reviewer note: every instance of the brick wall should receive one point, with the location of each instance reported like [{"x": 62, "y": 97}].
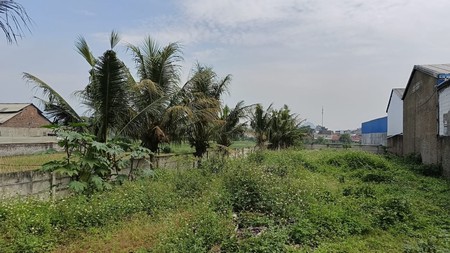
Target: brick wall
[{"x": 28, "y": 117}]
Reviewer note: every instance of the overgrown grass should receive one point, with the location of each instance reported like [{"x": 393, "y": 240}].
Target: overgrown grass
[
  {"x": 26, "y": 162},
  {"x": 289, "y": 201}
]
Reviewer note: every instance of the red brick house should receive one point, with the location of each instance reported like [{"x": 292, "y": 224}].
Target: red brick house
[{"x": 22, "y": 120}]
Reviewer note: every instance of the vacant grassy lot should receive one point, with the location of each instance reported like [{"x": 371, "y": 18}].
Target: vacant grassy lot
[
  {"x": 288, "y": 201},
  {"x": 26, "y": 162}
]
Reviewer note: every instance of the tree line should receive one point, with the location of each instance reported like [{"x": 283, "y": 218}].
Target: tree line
[{"x": 157, "y": 107}]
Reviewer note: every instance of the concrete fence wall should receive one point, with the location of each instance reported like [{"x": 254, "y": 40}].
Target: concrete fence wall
[
  {"x": 10, "y": 149},
  {"x": 45, "y": 185},
  {"x": 38, "y": 184},
  {"x": 24, "y": 132},
  {"x": 376, "y": 149}
]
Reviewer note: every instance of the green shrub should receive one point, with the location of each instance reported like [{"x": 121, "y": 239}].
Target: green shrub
[
  {"x": 269, "y": 240},
  {"x": 257, "y": 157},
  {"x": 359, "y": 191},
  {"x": 393, "y": 210},
  {"x": 303, "y": 232},
  {"x": 358, "y": 160},
  {"x": 247, "y": 187},
  {"x": 429, "y": 170},
  {"x": 200, "y": 231},
  {"x": 190, "y": 184},
  {"x": 377, "y": 177}
]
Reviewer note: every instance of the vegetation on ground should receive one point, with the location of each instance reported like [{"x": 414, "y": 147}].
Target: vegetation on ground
[
  {"x": 27, "y": 162},
  {"x": 273, "y": 201}
]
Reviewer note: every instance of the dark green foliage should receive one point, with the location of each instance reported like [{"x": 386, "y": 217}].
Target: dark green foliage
[
  {"x": 358, "y": 160},
  {"x": 393, "y": 210},
  {"x": 345, "y": 138},
  {"x": 190, "y": 184},
  {"x": 94, "y": 166},
  {"x": 201, "y": 232},
  {"x": 380, "y": 177}
]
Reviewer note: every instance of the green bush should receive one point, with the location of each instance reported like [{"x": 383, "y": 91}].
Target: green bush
[
  {"x": 191, "y": 183},
  {"x": 393, "y": 211},
  {"x": 200, "y": 231},
  {"x": 358, "y": 160},
  {"x": 269, "y": 240}
]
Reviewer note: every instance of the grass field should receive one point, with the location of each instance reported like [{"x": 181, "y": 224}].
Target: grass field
[
  {"x": 287, "y": 201},
  {"x": 26, "y": 162}
]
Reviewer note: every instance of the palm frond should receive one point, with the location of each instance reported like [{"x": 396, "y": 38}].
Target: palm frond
[
  {"x": 13, "y": 17},
  {"x": 84, "y": 50},
  {"x": 114, "y": 39},
  {"x": 56, "y": 106}
]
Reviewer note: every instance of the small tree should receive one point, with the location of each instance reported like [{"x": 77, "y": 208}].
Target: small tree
[{"x": 345, "y": 138}]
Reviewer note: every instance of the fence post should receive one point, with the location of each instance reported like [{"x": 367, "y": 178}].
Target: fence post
[{"x": 53, "y": 186}]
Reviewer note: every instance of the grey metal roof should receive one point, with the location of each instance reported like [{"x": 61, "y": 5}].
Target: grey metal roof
[
  {"x": 431, "y": 69},
  {"x": 7, "y": 116},
  {"x": 434, "y": 69},
  {"x": 12, "y": 107},
  {"x": 9, "y": 110}
]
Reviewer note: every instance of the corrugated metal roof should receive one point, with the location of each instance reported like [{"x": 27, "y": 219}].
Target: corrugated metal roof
[
  {"x": 7, "y": 116},
  {"x": 431, "y": 69},
  {"x": 12, "y": 107},
  {"x": 9, "y": 110},
  {"x": 434, "y": 69}
]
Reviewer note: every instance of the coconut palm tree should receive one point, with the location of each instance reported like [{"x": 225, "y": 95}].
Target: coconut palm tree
[
  {"x": 284, "y": 128},
  {"x": 230, "y": 123},
  {"x": 198, "y": 107},
  {"x": 107, "y": 94},
  {"x": 260, "y": 120},
  {"x": 159, "y": 74},
  {"x": 12, "y": 18}
]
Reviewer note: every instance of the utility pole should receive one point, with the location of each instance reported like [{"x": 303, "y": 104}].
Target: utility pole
[{"x": 322, "y": 115}]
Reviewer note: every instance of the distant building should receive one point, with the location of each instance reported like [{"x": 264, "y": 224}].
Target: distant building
[
  {"x": 426, "y": 110},
  {"x": 22, "y": 120},
  {"x": 374, "y": 132},
  {"x": 394, "y": 112}
]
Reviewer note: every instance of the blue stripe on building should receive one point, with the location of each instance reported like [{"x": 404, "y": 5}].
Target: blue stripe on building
[{"x": 374, "y": 126}]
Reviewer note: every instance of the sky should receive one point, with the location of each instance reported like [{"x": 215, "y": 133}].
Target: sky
[{"x": 344, "y": 56}]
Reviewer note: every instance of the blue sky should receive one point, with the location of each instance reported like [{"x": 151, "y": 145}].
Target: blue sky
[{"x": 344, "y": 55}]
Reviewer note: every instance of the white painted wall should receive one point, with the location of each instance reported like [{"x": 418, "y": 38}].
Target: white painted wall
[{"x": 395, "y": 116}]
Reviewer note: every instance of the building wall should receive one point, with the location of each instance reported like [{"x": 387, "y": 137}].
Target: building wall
[
  {"x": 374, "y": 139},
  {"x": 395, "y": 144},
  {"x": 374, "y": 126},
  {"x": 29, "y": 117},
  {"x": 445, "y": 155},
  {"x": 420, "y": 122},
  {"x": 395, "y": 116}
]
